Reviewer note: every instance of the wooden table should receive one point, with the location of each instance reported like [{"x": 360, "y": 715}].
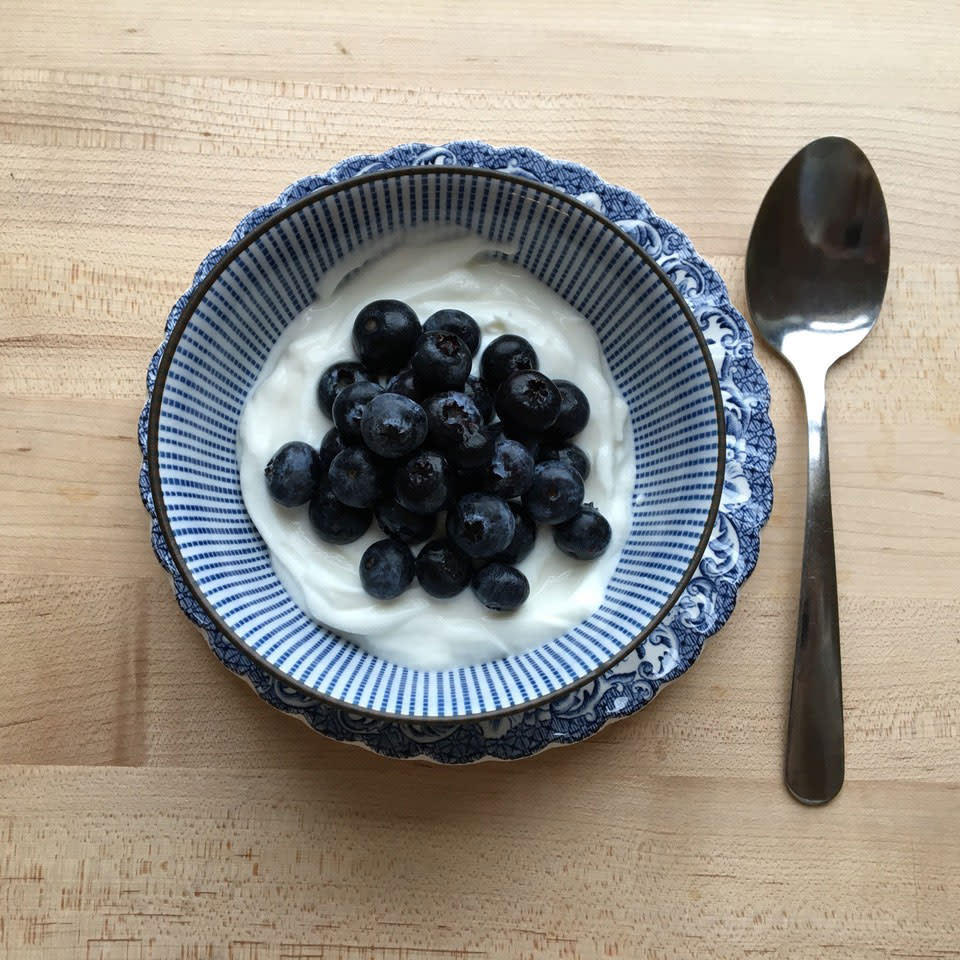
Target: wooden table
[{"x": 151, "y": 807}]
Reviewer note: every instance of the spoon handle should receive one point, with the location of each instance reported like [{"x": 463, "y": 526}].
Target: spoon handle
[{"x": 814, "y": 761}]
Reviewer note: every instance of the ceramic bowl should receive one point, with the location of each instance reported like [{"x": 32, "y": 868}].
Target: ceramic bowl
[{"x": 220, "y": 338}]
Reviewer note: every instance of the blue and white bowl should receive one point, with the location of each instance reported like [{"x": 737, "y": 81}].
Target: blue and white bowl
[{"x": 247, "y": 293}]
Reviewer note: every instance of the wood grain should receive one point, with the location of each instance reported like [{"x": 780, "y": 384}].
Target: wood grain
[{"x": 151, "y": 807}]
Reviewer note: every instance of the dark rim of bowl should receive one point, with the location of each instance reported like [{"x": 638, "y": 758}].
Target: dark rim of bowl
[{"x": 246, "y": 241}]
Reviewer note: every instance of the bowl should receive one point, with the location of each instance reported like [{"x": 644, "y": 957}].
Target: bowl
[{"x": 657, "y": 354}]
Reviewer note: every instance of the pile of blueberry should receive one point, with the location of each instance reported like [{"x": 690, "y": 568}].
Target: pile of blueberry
[{"x": 416, "y": 434}]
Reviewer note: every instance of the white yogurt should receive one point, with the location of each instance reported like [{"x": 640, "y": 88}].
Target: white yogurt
[{"x": 415, "y": 629}]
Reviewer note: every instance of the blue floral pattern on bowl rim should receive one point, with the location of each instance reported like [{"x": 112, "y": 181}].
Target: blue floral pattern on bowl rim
[{"x": 731, "y": 553}]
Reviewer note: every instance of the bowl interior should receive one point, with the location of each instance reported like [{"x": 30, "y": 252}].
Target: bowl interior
[{"x": 652, "y": 345}]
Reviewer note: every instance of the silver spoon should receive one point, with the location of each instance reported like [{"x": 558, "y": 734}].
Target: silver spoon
[{"x": 817, "y": 266}]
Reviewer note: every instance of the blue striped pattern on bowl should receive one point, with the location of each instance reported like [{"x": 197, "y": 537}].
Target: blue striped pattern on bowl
[{"x": 656, "y": 354}]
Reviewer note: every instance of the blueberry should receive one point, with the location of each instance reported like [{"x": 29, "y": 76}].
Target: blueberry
[
  {"x": 440, "y": 361},
  {"x": 568, "y": 453},
  {"x": 510, "y": 471},
  {"x": 334, "y": 521},
  {"x": 524, "y": 536},
  {"x": 386, "y": 569},
  {"x": 450, "y": 417},
  {"x": 337, "y": 377},
  {"x": 474, "y": 451},
  {"x": 393, "y": 425},
  {"x": 500, "y": 586},
  {"x": 505, "y": 355},
  {"x": 481, "y": 524},
  {"x": 585, "y": 536},
  {"x": 293, "y": 474},
  {"x": 477, "y": 391},
  {"x": 330, "y": 446},
  {"x": 384, "y": 335},
  {"x": 403, "y": 524},
  {"x": 574, "y": 411},
  {"x": 458, "y": 322},
  {"x": 355, "y": 477},
  {"x": 528, "y": 401},
  {"x": 404, "y": 384},
  {"x": 421, "y": 484},
  {"x": 349, "y": 406},
  {"x": 555, "y": 494},
  {"x": 442, "y": 569}
]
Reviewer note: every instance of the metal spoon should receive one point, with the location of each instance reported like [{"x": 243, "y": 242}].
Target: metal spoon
[{"x": 817, "y": 266}]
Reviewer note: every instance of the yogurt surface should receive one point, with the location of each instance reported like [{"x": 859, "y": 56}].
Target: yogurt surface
[{"x": 415, "y": 629}]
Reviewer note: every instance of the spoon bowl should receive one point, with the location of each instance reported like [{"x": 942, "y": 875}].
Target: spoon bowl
[
  {"x": 816, "y": 272},
  {"x": 818, "y": 254}
]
